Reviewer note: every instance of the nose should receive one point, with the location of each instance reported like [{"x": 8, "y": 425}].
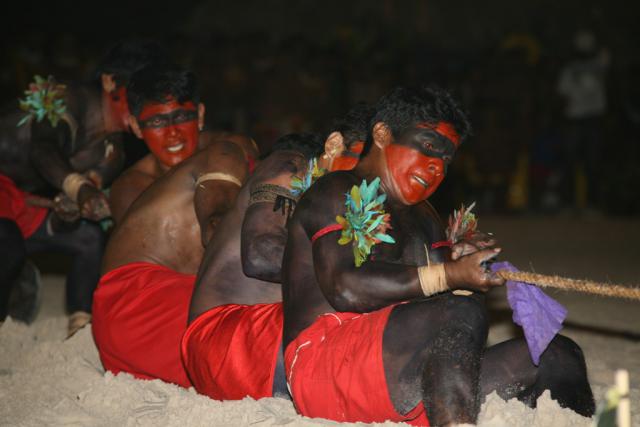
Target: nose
[{"x": 173, "y": 130}]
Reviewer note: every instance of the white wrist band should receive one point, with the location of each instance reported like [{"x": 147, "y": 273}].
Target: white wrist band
[
  {"x": 72, "y": 183},
  {"x": 433, "y": 279}
]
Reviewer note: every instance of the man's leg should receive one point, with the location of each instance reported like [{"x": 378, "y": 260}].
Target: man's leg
[
  {"x": 85, "y": 244},
  {"x": 12, "y": 256},
  {"x": 432, "y": 353},
  {"x": 26, "y": 295},
  {"x": 507, "y": 368}
]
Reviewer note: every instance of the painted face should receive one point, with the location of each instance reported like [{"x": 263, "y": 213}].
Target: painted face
[
  {"x": 419, "y": 158},
  {"x": 170, "y": 130},
  {"x": 119, "y": 108},
  {"x": 349, "y": 158}
]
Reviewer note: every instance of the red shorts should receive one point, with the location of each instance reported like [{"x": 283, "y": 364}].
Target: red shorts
[
  {"x": 140, "y": 312},
  {"x": 230, "y": 351},
  {"x": 334, "y": 370},
  {"x": 13, "y": 205}
]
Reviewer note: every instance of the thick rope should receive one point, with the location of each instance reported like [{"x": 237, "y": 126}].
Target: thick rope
[{"x": 585, "y": 286}]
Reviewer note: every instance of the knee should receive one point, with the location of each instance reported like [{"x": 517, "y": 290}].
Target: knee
[
  {"x": 564, "y": 350},
  {"x": 467, "y": 313}
]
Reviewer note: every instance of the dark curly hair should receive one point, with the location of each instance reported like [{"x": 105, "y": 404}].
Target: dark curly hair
[
  {"x": 403, "y": 107},
  {"x": 156, "y": 82},
  {"x": 354, "y": 125},
  {"x": 309, "y": 144},
  {"x": 128, "y": 56}
]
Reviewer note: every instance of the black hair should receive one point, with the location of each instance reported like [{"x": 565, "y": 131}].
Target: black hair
[
  {"x": 309, "y": 144},
  {"x": 128, "y": 56},
  {"x": 404, "y": 107},
  {"x": 156, "y": 82},
  {"x": 354, "y": 125}
]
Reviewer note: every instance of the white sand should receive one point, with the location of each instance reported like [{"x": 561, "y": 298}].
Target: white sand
[{"x": 45, "y": 380}]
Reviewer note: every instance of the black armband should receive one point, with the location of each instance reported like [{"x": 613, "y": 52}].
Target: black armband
[{"x": 282, "y": 198}]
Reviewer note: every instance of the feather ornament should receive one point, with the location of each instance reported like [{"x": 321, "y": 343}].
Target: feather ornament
[
  {"x": 365, "y": 223},
  {"x": 300, "y": 185},
  {"x": 44, "y": 98},
  {"x": 462, "y": 224}
]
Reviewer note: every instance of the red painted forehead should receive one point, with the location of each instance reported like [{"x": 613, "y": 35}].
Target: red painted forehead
[
  {"x": 153, "y": 108},
  {"x": 443, "y": 128}
]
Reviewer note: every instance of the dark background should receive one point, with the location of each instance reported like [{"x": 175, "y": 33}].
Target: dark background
[{"x": 271, "y": 67}]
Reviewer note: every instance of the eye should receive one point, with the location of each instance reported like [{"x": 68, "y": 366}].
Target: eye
[
  {"x": 447, "y": 159},
  {"x": 157, "y": 122},
  {"x": 428, "y": 146}
]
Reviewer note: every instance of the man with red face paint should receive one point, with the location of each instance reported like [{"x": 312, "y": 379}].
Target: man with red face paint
[
  {"x": 171, "y": 129},
  {"x": 141, "y": 304},
  {"x": 235, "y": 313},
  {"x": 344, "y": 144},
  {"x": 76, "y": 149},
  {"x": 374, "y": 335}
]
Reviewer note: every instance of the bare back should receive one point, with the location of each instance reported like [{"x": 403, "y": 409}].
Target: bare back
[
  {"x": 165, "y": 224},
  {"x": 249, "y": 234}
]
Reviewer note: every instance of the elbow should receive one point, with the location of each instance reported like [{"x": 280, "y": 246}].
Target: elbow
[
  {"x": 262, "y": 258},
  {"x": 345, "y": 297},
  {"x": 258, "y": 267}
]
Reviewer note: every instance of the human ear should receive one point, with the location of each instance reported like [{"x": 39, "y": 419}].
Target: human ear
[
  {"x": 201, "y": 116},
  {"x": 135, "y": 126},
  {"x": 334, "y": 145},
  {"x": 382, "y": 135},
  {"x": 108, "y": 83}
]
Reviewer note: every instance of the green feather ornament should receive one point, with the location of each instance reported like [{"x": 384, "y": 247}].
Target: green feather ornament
[
  {"x": 365, "y": 222},
  {"x": 44, "y": 98},
  {"x": 300, "y": 185}
]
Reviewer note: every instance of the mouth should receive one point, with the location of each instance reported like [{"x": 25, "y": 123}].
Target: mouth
[
  {"x": 175, "y": 148},
  {"x": 420, "y": 181}
]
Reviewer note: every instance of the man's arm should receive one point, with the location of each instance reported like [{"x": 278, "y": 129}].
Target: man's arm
[
  {"x": 375, "y": 283},
  {"x": 46, "y": 154},
  {"x": 102, "y": 160},
  {"x": 221, "y": 172},
  {"x": 52, "y": 164},
  {"x": 264, "y": 229}
]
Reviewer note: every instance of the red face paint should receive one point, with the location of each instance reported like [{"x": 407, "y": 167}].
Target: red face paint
[
  {"x": 349, "y": 158},
  {"x": 170, "y": 130},
  {"x": 415, "y": 175},
  {"x": 117, "y": 102}
]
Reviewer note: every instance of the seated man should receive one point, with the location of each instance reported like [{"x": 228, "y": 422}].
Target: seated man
[
  {"x": 235, "y": 311},
  {"x": 142, "y": 301},
  {"x": 370, "y": 330},
  {"x": 346, "y": 137},
  {"x": 74, "y": 145},
  {"x": 231, "y": 316},
  {"x": 164, "y": 135}
]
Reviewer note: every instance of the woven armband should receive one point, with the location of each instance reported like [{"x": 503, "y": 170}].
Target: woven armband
[
  {"x": 218, "y": 176},
  {"x": 269, "y": 193},
  {"x": 433, "y": 279},
  {"x": 72, "y": 183}
]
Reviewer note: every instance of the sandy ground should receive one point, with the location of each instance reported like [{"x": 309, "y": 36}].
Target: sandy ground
[{"x": 45, "y": 380}]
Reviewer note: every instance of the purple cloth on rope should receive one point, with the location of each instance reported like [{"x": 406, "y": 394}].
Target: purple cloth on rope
[{"x": 539, "y": 315}]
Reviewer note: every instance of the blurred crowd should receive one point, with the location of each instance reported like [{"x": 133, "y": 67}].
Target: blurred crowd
[{"x": 555, "y": 129}]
